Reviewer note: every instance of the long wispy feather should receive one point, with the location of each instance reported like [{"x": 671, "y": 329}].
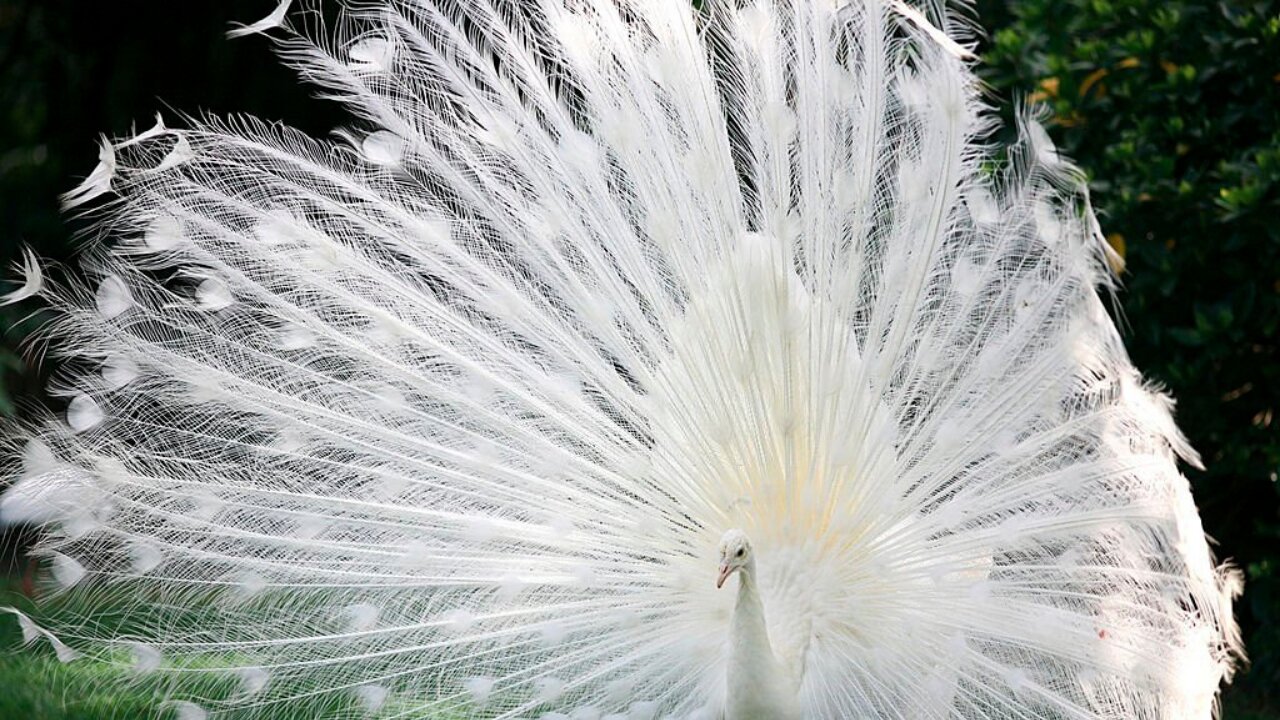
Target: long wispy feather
[{"x": 445, "y": 416}]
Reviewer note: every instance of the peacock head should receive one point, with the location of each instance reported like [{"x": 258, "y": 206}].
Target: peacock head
[{"x": 735, "y": 554}]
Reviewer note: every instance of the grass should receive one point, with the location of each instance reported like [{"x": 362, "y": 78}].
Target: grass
[
  {"x": 37, "y": 686},
  {"x": 34, "y": 684}
]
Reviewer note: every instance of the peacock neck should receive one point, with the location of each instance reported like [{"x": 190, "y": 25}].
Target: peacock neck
[
  {"x": 753, "y": 673},
  {"x": 749, "y": 625}
]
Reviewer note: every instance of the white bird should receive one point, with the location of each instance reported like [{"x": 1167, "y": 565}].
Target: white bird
[
  {"x": 459, "y": 413},
  {"x": 759, "y": 684}
]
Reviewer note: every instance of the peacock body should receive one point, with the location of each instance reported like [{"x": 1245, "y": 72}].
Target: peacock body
[{"x": 458, "y": 413}]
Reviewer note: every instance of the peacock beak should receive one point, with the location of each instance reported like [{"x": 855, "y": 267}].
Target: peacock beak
[{"x": 725, "y": 571}]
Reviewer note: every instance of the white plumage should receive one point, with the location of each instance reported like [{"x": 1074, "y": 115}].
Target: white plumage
[
  {"x": 447, "y": 417},
  {"x": 48, "y": 492}
]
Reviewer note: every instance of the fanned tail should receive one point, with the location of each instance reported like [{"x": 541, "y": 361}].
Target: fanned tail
[{"x": 445, "y": 417}]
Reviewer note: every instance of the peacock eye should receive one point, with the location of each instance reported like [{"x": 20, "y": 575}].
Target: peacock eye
[{"x": 741, "y": 551}]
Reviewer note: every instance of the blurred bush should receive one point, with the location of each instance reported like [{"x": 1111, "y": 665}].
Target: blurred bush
[{"x": 1173, "y": 109}]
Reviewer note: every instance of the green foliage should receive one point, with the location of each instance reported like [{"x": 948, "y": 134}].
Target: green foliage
[{"x": 1173, "y": 109}]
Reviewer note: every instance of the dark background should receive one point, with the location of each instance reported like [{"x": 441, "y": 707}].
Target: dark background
[{"x": 1173, "y": 108}]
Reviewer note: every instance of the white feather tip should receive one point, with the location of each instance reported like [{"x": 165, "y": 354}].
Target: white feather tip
[
  {"x": 270, "y": 22},
  {"x": 98, "y": 182},
  {"x": 32, "y": 279},
  {"x": 917, "y": 18}
]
